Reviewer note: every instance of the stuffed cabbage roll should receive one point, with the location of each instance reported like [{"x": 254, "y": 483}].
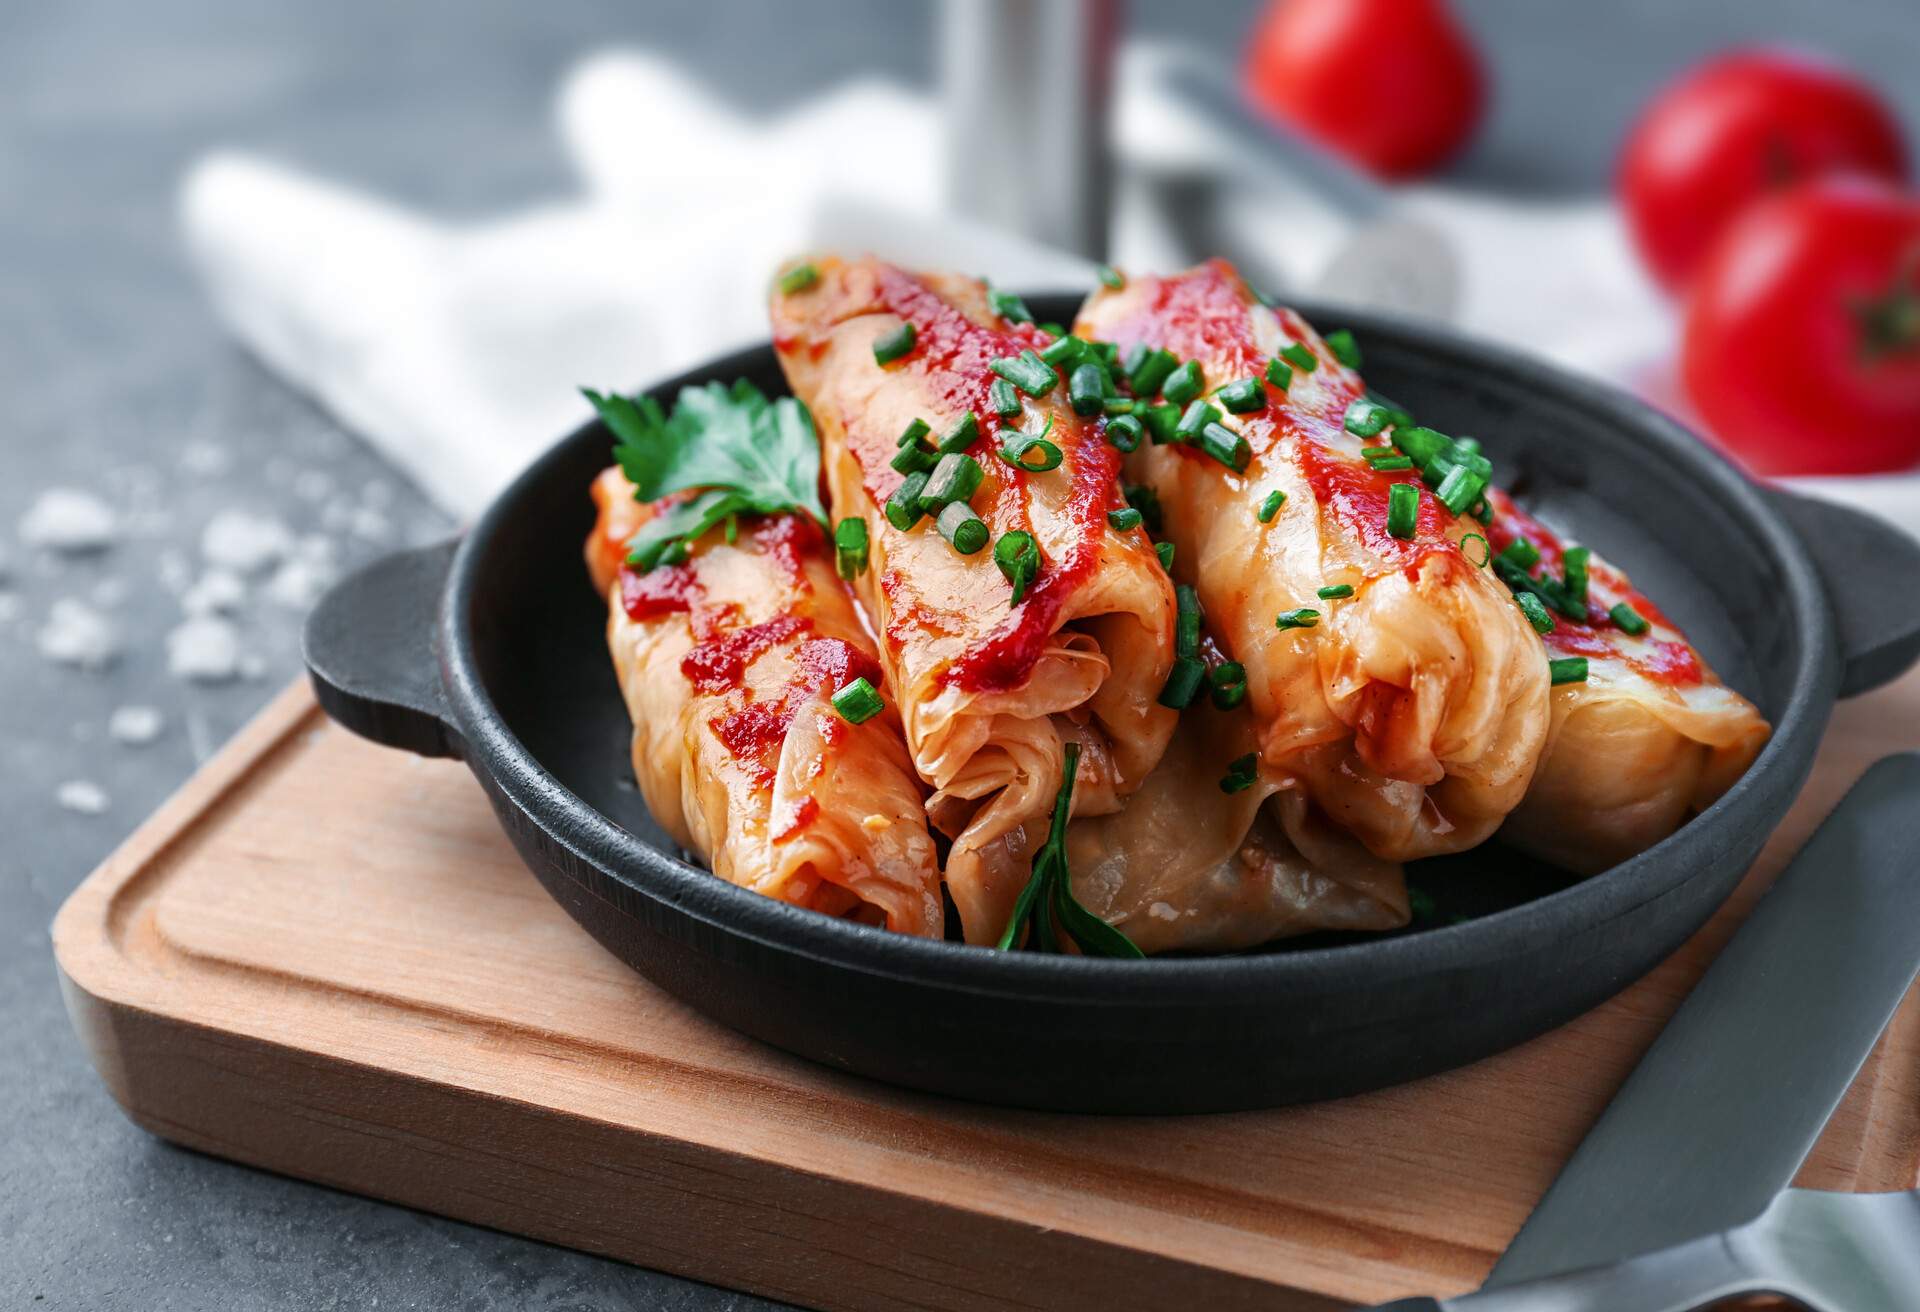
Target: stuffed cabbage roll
[
  {"x": 1647, "y": 738},
  {"x": 1216, "y": 853},
  {"x": 1013, "y": 615},
  {"x": 1387, "y": 673},
  {"x": 728, "y": 661}
]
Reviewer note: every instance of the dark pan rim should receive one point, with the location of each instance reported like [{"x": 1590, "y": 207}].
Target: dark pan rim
[{"x": 688, "y": 890}]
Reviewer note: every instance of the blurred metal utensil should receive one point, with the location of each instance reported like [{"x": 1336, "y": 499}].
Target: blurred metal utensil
[
  {"x": 1388, "y": 258},
  {"x": 1025, "y": 85},
  {"x": 1677, "y": 1186}
]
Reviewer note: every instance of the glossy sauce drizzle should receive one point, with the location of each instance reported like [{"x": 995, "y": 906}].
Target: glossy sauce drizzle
[{"x": 1670, "y": 661}]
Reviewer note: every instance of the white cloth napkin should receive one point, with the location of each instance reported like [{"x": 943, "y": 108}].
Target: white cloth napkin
[{"x": 456, "y": 350}]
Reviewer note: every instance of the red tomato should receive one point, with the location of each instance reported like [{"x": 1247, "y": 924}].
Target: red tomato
[
  {"x": 1390, "y": 84},
  {"x": 1735, "y": 129},
  {"x": 1802, "y": 338}
]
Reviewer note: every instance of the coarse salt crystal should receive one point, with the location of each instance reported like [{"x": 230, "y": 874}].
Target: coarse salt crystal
[
  {"x": 77, "y": 634},
  {"x": 205, "y": 649},
  {"x": 244, "y": 542},
  {"x": 68, "y": 519},
  {"x": 135, "y": 726},
  {"x": 216, "y": 590},
  {"x": 82, "y": 795}
]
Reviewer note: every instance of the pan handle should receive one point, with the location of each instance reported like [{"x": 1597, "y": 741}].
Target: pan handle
[
  {"x": 370, "y": 651},
  {"x": 1870, "y": 570}
]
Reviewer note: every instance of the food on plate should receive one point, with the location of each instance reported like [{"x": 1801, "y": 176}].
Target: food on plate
[
  {"x": 1018, "y": 609},
  {"x": 1217, "y": 853},
  {"x": 1387, "y": 672},
  {"x": 1393, "y": 85},
  {"x": 1161, "y": 635},
  {"x": 763, "y": 735},
  {"x": 1644, "y": 734},
  {"x": 1735, "y": 130},
  {"x": 1802, "y": 338}
]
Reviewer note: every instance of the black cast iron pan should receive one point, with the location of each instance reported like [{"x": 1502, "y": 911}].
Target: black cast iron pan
[{"x": 491, "y": 649}]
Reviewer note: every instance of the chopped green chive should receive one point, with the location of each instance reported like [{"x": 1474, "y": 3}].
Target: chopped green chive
[
  {"x": 1198, "y": 415},
  {"x": 903, "y": 507},
  {"x": 1629, "y": 620},
  {"x": 1016, "y": 448},
  {"x": 1520, "y": 553},
  {"x": 1112, "y": 277},
  {"x": 1184, "y": 383},
  {"x": 1067, "y": 351},
  {"x": 1142, "y": 499},
  {"x": 1270, "y": 506},
  {"x": 1018, "y": 557},
  {"x": 1419, "y": 445},
  {"x": 1335, "y": 591},
  {"x": 1087, "y": 390},
  {"x": 1467, "y": 446},
  {"x": 1364, "y": 418},
  {"x": 1242, "y": 773},
  {"x": 1403, "y": 510},
  {"x": 798, "y": 279},
  {"x": 1459, "y": 489},
  {"x": 1535, "y": 610},
  {"x": 1136, "y": 356},
  {"x": 1053, "y": 329},
  {"x": 961, "y": 436},
  {"x": 1117, "y": 405},
  {"x": 1344, "y": 348},
  {"x": 1161, "y": 421},
  {"x": 1008, "y": 306},
  {"x": 1186, "y": 623},
  {"x": 1164, "y": 550},
  {"x": 1226, "y": 446},
  {"x": 1573, "y": 567},
  {"x": 850, "y": 548},
  {"x": 1026, "y": 371},
  {"x": 1280, "y": 374},
  {"x": 1229, "y": 682},
  {"x": 956, "y": 478},
  {"x": 912, "y": 433},
  {"x": 893, "y": 345},
  {"x": 1242, "y": 396},
  {"x": 1124, "y": 520},
  {"x": 1303, "y": 617},
  {"x": 1149, "y": 373},
  {"x": 1109, "y": 352},
  {"x": 1568, "y": 669},
  {"x": 858, "y": 702},
  {"x": 964, "y": 531},
  {"x": 1389, "y": 464},
  {"x": 1300, "y": 357},
  {"x": 1125, "y": 432},
  {"x": 1003, "y": 399},
  {"x": 1486, "y": 550},
  {"x": 916, "y": 456},
  {"x": 1183, "y": 682}
]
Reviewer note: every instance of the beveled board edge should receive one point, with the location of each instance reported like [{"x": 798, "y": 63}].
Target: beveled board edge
[{"x": 656, "y": 1200}]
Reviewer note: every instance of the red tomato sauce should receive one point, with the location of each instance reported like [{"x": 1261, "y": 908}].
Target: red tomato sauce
[
  {"x": 662, "y": 590},
  {"x": 1358, "y": 496},
  {"x": 1659, "y": 660},
  {"x": 1005, "y": 658},
  {"x": 719, "y": 664}
]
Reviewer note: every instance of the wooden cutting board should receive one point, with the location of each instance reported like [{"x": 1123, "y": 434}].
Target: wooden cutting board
[{"x": 322, "y": 958}]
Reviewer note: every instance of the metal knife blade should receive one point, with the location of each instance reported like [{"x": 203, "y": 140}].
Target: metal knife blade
[{"x": 1719, "y": 1114}]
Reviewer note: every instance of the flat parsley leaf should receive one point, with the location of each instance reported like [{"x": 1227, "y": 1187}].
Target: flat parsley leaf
[{"x": 745, "y": 453}]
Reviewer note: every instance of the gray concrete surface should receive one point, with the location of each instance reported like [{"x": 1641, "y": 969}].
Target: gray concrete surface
[{"x": 112, "y": 370}]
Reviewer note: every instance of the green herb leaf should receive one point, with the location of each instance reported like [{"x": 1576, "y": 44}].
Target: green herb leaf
[
  {"x": 749, "y": 454},
  {"x": 1048, "y": 897}
]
